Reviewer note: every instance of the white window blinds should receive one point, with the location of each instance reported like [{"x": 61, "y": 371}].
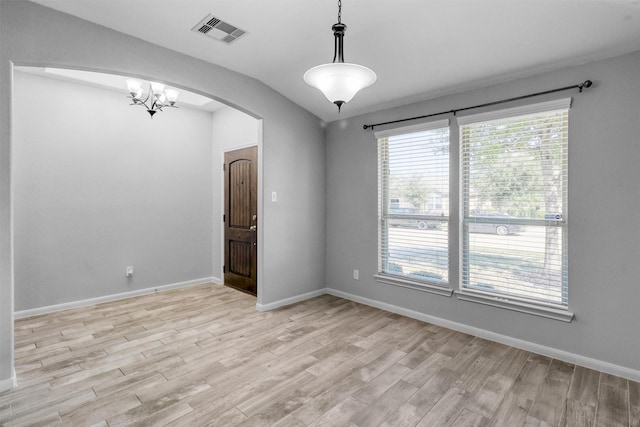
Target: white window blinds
[
  {"x": 413, "y": 171},
  {"x": 514, "y": 203}
]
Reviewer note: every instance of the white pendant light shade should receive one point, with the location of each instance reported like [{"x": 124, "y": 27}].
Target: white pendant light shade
[{"x": 339, "y": 81}]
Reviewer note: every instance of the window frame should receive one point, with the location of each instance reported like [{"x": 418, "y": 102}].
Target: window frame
[
  {"x": 456, "y": 235},
  {"x": 541, "y": 308},
  {"x": 437, "y": 287}
]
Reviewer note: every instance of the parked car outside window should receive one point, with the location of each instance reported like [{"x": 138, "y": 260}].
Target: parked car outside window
[
  {"x": 502, "y": 228},
  {"x": 422, "y": 224}
]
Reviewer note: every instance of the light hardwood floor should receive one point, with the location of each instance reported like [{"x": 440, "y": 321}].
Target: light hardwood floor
[{"x": 204, "y": 356}]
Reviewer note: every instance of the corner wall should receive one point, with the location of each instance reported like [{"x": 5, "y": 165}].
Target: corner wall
[
  {"x": 604, "y": 155},
  {"x": 99, "y": 186}
]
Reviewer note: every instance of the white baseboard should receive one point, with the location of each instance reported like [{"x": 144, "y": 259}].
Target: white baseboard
[
  {"x": 554, "y": 353},
  {"x": 291, "y": 300},
  {"x": 91, "y": 301},
  {"x": 217, "y": 281},
  {"x": 9, "y": 383},
  {"x": 566, "y": 356}
]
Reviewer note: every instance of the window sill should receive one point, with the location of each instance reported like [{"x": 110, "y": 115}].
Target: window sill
[
  {"x": 522, "y": 307},
  {"x": 418, "y": 286}
]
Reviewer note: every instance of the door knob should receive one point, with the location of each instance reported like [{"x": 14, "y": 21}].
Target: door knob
[{"x": 253, "y": 228}]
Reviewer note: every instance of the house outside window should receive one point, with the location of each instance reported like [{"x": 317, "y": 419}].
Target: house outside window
[{"x": 434, "y": 202}]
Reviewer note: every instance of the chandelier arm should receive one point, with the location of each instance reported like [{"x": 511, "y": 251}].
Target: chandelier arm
[
  {"x": 140, "y": 103},
  {"x": 148, "y": 95}
]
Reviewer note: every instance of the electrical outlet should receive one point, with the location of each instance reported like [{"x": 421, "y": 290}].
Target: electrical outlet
[
  {"x": 356, "y": 275},
  {"x": 130, "y": 271}
]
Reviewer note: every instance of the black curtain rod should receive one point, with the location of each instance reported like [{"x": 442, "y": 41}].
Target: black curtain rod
[{"x": 586, "y": 84}]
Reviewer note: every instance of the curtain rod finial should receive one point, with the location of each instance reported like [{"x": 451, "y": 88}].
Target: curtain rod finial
[{"x": 586, "y": 84}]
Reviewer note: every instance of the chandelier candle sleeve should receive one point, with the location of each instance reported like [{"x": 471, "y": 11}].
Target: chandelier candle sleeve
[
  {"x": 157, "y": 89},
  {"x": 339, "y": 81},
  {"x": 172, "y": 95},
  {"x": 135, "y": 88}
]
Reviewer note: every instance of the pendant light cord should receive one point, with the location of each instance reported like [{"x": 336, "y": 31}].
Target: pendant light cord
[{"x": 339, "y": 11}]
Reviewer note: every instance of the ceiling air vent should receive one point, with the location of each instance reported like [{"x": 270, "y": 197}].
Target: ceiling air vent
[{"x": 219, "y": 30}]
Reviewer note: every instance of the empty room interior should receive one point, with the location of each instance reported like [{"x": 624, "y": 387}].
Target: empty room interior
[{"x": 327, "y": 213}]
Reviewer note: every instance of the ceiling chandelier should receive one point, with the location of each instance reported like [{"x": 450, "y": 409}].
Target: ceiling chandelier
[
  {"x": 339, "y": 81},
  {"x": 157, "y": 97}
]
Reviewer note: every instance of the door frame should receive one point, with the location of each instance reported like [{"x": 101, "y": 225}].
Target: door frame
[{"x": 223, "y": 151}]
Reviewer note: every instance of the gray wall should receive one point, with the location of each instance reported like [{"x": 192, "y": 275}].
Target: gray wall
[
  {"x": 98, "y": 186},
  {"x": 293, "y": 142},
  {"x": 6, "y": 238},
  {"x": 604, "y": 233}
]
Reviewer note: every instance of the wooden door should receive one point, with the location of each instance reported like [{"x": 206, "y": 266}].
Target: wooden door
[{"x": 240, "y": 219}]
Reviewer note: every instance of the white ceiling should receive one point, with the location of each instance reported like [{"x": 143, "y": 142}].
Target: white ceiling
[{"x": 418, "y": 48}]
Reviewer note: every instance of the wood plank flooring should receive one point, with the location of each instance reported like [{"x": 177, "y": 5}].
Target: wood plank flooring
[{"x": 203, "y": 356}]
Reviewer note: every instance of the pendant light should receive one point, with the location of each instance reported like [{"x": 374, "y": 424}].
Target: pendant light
[{"x": 339, "y": 81}]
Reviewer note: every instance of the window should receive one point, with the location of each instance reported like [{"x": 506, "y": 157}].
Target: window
[
  {"x": 514, "y": 203},
  {"x": 413, "y": 184}
]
